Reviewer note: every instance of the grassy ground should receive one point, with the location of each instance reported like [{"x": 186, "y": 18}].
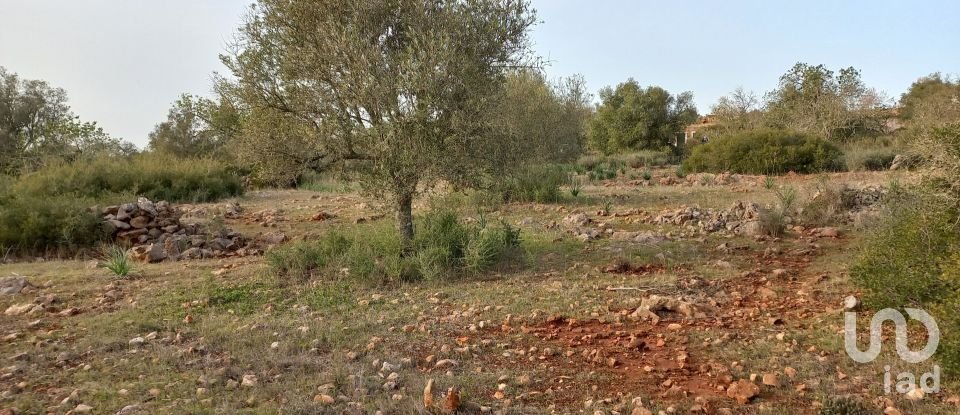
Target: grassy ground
[{"x": 227, "y": 336}]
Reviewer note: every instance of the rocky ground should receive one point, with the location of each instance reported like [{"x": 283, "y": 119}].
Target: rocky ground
[{"x": 637, "y": 297}]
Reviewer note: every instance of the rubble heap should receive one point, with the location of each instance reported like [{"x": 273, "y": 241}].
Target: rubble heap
[
  {"x": 155, "y": 233},
  {"x": 740, "y": 218}
]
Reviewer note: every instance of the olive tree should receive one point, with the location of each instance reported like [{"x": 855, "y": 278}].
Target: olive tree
[
  {"x": 401, "y": 91},
  {"x": 196, "y": 126}
]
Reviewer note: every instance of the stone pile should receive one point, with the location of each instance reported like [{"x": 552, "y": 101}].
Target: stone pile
[
  {"x": 741, "y": 218},
  {"x": 155, "y": 233},
  {"x": 144, "y": 222},
  {"x": 858, "y": 199}
]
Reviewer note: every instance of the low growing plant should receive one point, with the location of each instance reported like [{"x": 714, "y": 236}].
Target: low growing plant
[{"x": 115, "y": 259}]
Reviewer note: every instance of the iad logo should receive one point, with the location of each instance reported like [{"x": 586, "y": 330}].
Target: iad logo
[{"x": 906, "y": 381}]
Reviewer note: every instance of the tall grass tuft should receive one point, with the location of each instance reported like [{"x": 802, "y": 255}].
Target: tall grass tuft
[{"x": 115, "y": 259}]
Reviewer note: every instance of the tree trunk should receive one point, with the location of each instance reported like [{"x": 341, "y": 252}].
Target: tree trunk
[{"x": 405, "y": 223}]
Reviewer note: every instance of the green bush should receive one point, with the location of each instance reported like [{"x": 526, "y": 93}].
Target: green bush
[
  {"x": 869, "y": 158},
  {"x": 38, "y": 224},
  {"x": 947, "y": 313},
  {"x": 445, "y": 246},
  {"x": 765, "y": 152},
  {"x": 899, "y": 263},
  {"x": 157, "y": 177},
  {"x": 51, "y": 208},
  {"x": 650, "y": 158},
  {"x": 773, "y": 221},
  {"x": 535, "y": 183}
]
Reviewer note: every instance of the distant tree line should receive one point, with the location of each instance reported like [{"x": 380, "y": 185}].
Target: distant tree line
[{"x": 37, "y": 127}]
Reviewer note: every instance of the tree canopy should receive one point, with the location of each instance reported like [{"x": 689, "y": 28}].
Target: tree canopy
[
  {"x": 631, "y": 117},
  {"x": 932, "y": 99},
  {"x": 548, "y": 120},
  {"x": 401, "y": 90},
  {"x": 196, "y": 126},
  {"x": 814, "y": 99},
  {"x": 37, "y": 125}
]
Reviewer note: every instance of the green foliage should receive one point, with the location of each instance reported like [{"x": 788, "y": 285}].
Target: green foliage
[
  {"x": 607, "y": 207},
  {"x": 938, "y": 151},
  {"x": 930, "y": 101},
  {"x": 845, "y": 406},
  {"x": 445, "y": 247},
  {"x": 38, "y": 127},
  {"x": 869, "y": 158},
  {"x": 765, "y": 152},
  {"x": 196, "y": 127},
  {"x": 38, "y": 223},
  {"x": 324, "y": 183},
  {"x": 299, "y": 260},
  {"x": 815, "y": 100},
  {"x": 415, "y": 104},
  {"x": 947, "y": 313},
  {"x": 547, "y": 120},
  {"x": 155, "y": 176},
  {"x": 116, "y": 260},
  {"x": 773, "y": 221},
  {"x": 650, "y": 158},
  {"x": 534, "y": 183},
  {"x": 769, "y": 182},
  {"x": 634, "y": 118},
  {"x": 899, "y": 263},
  {"x": 575, "y": 185},
  {"x": 51, "y": 208},
  {"x": 828, "y": 205},
  {"x": 601, "y": 168},
  {"x": 680, "y": 172}
]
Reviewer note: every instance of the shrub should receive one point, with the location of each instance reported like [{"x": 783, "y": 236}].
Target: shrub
[
  {"x": 650, "y": 158},
  {"x": 899, "y": 263},
  {"x": 647, "y": 175},
  {"x": 157, "y": 177},
  {"x": 680, "y": 172},
  {"x": 445, "y": 246},
  {"x": 301, "y": 259},
  {"x": 859, "y": 158},
  {"x": 828, "y": 204},
  {"x": 324, "y": 183},
  {"x": 50, "y": 208},
  {"x": 39, "y": 224},
  {"x": 938, "y": 151},
  {"x": 535, "y": 183},
  {"x": 773, "y": 221},
  {"x": 769, "y": 182},
  {"x": 947, "y": 313},
  {"x": 588, "y": 163},
  {"x": 765, "y": 152},
  {"x": 845, "y": 406}
]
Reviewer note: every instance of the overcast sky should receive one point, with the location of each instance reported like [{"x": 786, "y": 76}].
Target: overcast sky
[{"x": 123, "y": 62}]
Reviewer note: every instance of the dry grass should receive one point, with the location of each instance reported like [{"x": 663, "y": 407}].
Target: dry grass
[{"x": 218, "y": 320}]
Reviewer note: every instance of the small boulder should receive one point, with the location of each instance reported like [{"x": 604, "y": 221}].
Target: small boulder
[
  {"x": 13, "y": 285},
  {"x": 743, "y": 391}
]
